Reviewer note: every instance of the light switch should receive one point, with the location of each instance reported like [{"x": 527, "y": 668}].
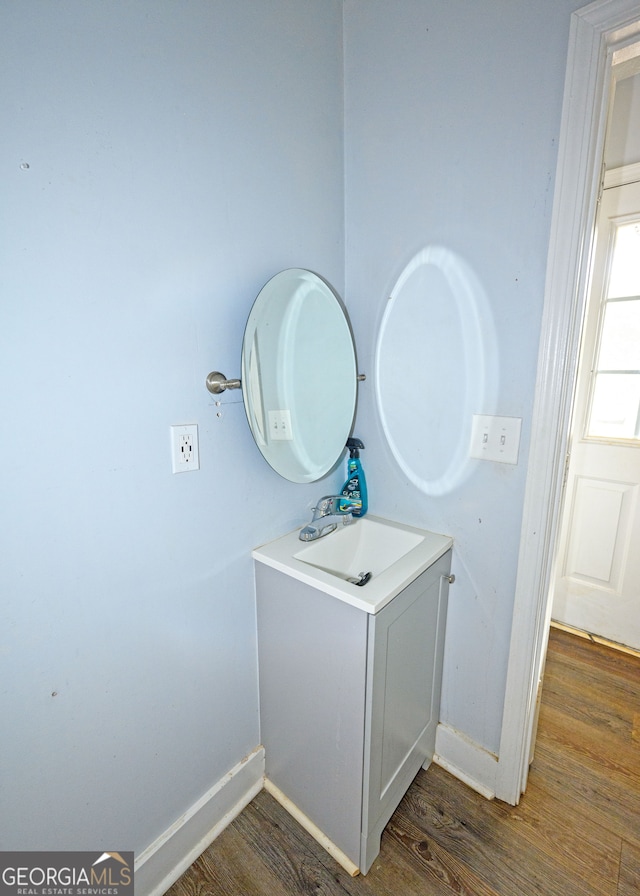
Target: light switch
[
  {"x": 280, "y": 425},
  {"x": 495, "y": 438}
]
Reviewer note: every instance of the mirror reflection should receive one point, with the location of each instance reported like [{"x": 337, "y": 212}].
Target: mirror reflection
[{"x": 299, "y": 375}]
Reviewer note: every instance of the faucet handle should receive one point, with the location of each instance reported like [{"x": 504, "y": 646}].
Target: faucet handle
[{"x": 324, "y": 503}]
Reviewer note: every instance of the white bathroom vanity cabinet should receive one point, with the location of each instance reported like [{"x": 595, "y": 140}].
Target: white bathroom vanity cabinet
[{"x": 349, "y": 697}]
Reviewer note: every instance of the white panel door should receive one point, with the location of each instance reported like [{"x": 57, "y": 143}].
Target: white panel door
[{"x": 597, "y": 588}]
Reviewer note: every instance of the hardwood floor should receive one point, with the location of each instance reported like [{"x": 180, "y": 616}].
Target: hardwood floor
[{"x": 576, "y": 831}]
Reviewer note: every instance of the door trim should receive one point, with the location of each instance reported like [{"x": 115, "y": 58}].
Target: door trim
[{"x": 596, "y": 31}]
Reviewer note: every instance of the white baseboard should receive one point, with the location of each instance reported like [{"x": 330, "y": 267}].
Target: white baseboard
[
  {"x": 311, "y": 828},
  {"x": 466, "y": 760},
  {"x": 164, "y": 860}
]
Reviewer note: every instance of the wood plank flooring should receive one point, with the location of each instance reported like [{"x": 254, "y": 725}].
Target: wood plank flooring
[{"x": 576, "y": 831}]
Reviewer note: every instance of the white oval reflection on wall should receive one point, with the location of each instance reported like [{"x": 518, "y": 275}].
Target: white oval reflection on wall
[{"x": 436, "y": 366}]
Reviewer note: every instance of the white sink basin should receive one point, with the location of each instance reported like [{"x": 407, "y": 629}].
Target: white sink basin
[
  {"x": 366, "y": 545},
  {"x": 393, "y": 553}
]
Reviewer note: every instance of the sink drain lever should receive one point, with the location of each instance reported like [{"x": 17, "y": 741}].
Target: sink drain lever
[{"x": 362, "y": 579}]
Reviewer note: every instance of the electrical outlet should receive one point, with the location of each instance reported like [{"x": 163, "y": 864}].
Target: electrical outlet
[
  {"x": 184, "y": 448},
  {"x": 495, "y": 438},
  {"x": 280, "y": 426}
]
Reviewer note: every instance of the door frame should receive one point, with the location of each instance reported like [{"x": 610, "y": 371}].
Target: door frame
[{"x": 596, "y": 32}]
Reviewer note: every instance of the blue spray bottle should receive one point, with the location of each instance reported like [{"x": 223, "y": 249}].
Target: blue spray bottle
[{"x": 355, "y": 488}]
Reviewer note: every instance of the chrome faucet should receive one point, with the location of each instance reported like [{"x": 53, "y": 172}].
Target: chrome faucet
[{"x": 331, "y": 511}]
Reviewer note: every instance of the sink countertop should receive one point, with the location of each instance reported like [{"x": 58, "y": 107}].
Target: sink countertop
[{"x": 382, "y": 588}]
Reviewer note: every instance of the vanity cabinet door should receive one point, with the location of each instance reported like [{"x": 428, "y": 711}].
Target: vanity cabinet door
[{"x": 406, "y": 641}]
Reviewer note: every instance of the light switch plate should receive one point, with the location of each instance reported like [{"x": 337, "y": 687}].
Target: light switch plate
[
  {"x": 495, "y": 438},
  {"x": 280, "y": 425}
]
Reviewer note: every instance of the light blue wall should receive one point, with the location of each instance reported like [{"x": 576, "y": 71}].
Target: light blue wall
[
  {"x": 180, "y": 153},
  {"x": 452, "y": 117}
]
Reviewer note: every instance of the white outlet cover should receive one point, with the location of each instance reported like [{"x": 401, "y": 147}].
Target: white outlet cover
[{"x": 185, "y": 456}]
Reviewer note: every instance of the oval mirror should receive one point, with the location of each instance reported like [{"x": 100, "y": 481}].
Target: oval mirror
[{"x": 299, "y": 375}]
